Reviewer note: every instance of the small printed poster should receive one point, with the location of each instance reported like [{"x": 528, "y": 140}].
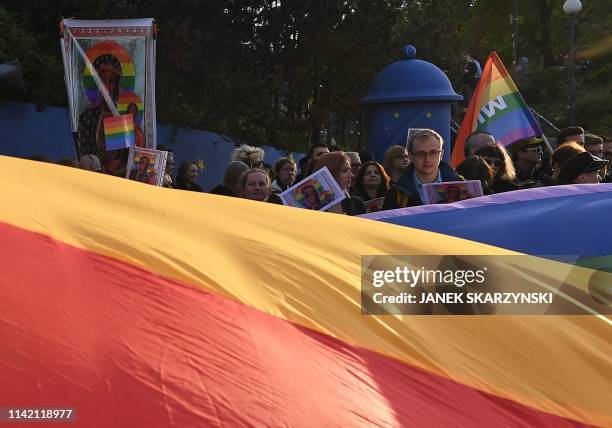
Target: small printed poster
[
  {"x": 452, "y": 191},
  {"x": 147, "y": 165},
  {"x": 319, "y": 191},
  {"x": 411, "y": 132},
  {"x": 374, "y": 205}
]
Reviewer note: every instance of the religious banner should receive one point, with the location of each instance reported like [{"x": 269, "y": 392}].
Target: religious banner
[{"x": 109, "y": 69}]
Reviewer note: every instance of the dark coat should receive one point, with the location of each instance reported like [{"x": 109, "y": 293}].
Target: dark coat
[
  {"x": 194, "y": 187},
  {"x": 353, "y": 206},
  {"x": 222, "y": 189},
  {"x": 503, "y": 186}
]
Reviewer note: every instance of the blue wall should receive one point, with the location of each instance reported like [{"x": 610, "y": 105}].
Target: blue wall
[{"x": 25, "y": 132}]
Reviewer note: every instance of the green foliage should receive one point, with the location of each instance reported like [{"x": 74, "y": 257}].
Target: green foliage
[
  {"x": 287, "y": 73},
  {"x": 42, "y": 72}
]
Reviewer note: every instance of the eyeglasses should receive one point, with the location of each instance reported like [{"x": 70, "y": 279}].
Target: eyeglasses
[
  {"x": 423, "y": 154},
  {"x": 534, "y": 149},
  {"x": 493, "y": 162},
  {"x": 404, "y": 156},
  {"x": 355, "y": 165}
]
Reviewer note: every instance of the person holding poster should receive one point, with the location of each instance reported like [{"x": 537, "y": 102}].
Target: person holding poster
[
  {"x": 426, "y": 166},
  {"x": 339, "y": 165},
  {"x": 371, "y": 185}
]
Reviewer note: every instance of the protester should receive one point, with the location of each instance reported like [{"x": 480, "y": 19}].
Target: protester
[
  {"x": 371, "y": 182},
  {"x": 504, "y": 175},
  {"x": 476, "y": 168},
  {"x": 571, "y": 133},
  {"x": 593, "y": 144},
  {"x": 355, "y": 162},
  {"x": 366, "y": 156},
  {"x": 395, "y": 162},
  {"x": 90, "y": 163},
  {"x": 314, "y": 153},
  {"x": 317, "y": 150},
  {"x": 339, "y": 166},
  {"x": 170, "y": 164},
  {"x": 255, "y": 185},
  {"x": 231, "y": 179},
  {"x": 426, "y": 166},
  {"x": 284, "y": 175},
  {"x": 252, "y": 156},
  {"x": 303, "y": 166},
  {"x": 559, "y": 157},
  {"x": 527, "y": 156},
  {"x": 187, "y": 175},
  {"x": 472, "y": 71},
  {"x": 476, "y": 140},
  {"x": 582, "y": 168}
]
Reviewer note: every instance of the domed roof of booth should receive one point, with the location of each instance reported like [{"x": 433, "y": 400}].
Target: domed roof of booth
[{"x": 410, "y": 79}]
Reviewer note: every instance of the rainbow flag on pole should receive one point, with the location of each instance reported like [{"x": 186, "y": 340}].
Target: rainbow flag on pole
[
  {"x": 496, "y": 107},
  {"x": 119, "y": 132}
]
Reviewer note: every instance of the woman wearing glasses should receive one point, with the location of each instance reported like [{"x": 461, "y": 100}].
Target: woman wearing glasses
[
  {"x": 395, "y": 162},
  {"x": 504, "y": 174}
]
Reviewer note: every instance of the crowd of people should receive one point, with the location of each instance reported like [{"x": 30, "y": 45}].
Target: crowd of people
[{"x": 579, "y": 158}]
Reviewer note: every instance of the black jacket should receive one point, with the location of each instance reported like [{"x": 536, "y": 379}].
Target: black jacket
[
  {"x": 404, "y": 193},
  {"x": 194, "y": 187},
  {"x": 353, "y": 206},
  {"x": 222, "y": 189},
  {"x": 503, "y": 186}
]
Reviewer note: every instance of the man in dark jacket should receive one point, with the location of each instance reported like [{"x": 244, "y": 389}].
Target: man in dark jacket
[{"x": 426, "y": 166}]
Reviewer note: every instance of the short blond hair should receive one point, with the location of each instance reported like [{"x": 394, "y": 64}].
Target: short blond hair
[{"x": 421, "y": 135}]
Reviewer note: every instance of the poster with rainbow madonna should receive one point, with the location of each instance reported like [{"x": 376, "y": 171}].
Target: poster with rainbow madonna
[
  {"x": 109, "y": 71},
  {"x": 319, "y": 191}
]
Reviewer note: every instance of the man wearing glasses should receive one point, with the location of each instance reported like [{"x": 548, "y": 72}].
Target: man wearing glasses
[
  {"x": 527, "y": 159},
  {"x": 426, "y": 166},
  {"x": 593, "y": 144}
]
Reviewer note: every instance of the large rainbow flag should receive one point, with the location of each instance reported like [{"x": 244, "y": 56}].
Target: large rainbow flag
[
  {"x": 496, "y": 107},
  {"x": 223, "y": 315}
]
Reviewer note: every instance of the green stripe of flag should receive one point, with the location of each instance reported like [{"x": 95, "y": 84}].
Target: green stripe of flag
[{"x": 498, "y": 110}]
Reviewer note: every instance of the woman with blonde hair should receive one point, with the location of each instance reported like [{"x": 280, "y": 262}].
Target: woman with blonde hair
[
  {"x": 255, "y": 185},
  {"x": 252, "y": 156},
  {"x": 504, "y": 174}
]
